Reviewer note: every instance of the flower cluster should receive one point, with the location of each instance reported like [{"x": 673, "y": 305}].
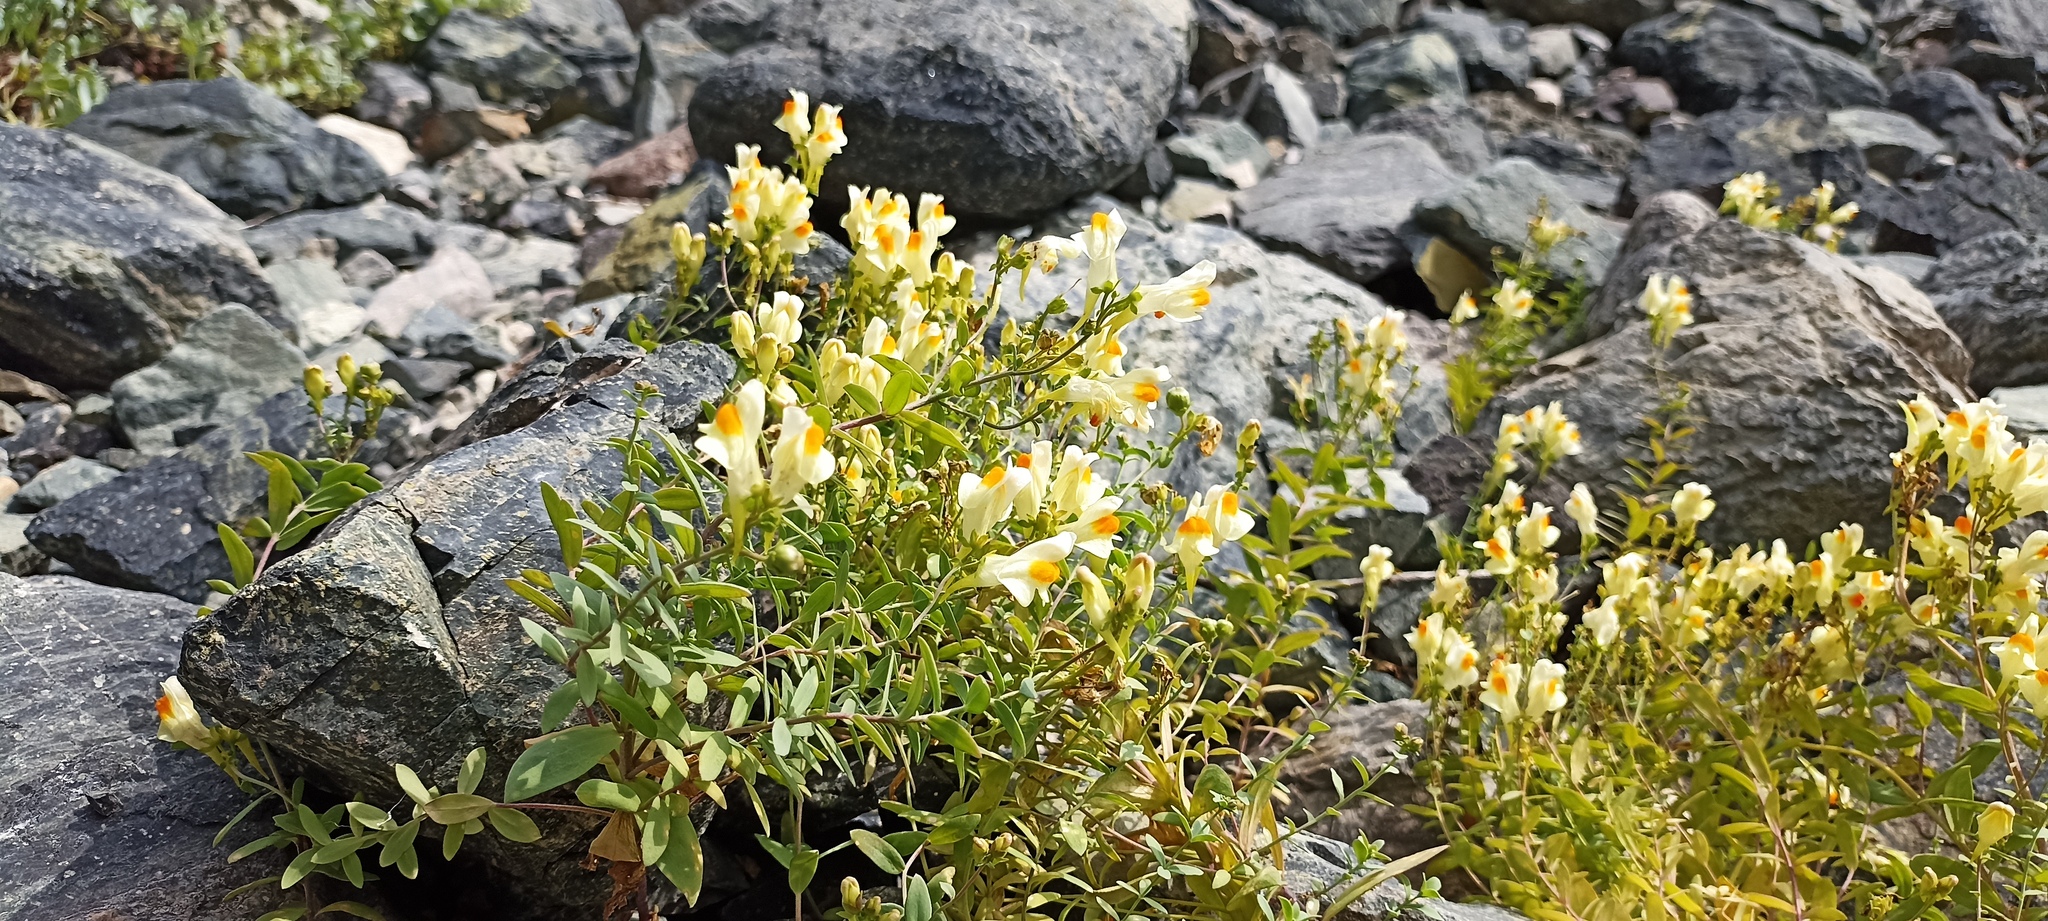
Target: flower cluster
[{"x": 1668, "y": 303}]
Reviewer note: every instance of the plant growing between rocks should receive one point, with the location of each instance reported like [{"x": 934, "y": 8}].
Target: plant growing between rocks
[
  {"x": 911, "y": 549},
  {"x": 1527, "y": 305}
]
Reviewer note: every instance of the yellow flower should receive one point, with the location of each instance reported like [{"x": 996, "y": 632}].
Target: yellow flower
[
  {"x": 1038, "y": 463},
  {"x": 1461, "y": 661},
  {"x": 178, "y": 721},
  {"x": 1546, "y": 688},
  {"x": 1499, "y": 550},
  {"x": 1583, "y": 512},
  {"x": 1536, "y": 532},
  {"x": 2019, "y": 654},
  {"x": 1385, "y": 334},
  {"x": 1105, "y": 231},
  {"x": 1138, "y": 391},
  {"x": 1992, "y": 827},
  {"x": 1194, "y": 540},
  {"x": 1227, "y": 513},
  {"x": 1096, "y": 529},
  {"x": 1094, "y": 597},
  {"x": 1075, "y": 487},
  {"x": 1466, "y": 309},
  {"x": 731, "y": 435},
  {"x": 1513, "y": 300},
  {"x": 1184, "y": 298},
  {"x": 1603, "y": 623},
  {"x": 1375, "y": 569},
  {"x": 1450, "y": 589},
  {"x": 826, "y": 138},
  {"x": 2034, "y": 689},
  {"x": 1503, "y": 689},
  {"x": 986, "y": 500},
  {"x": 796, "y": 118},
  {"x": 800, "y": 457},
  {"x": 1029, "y": 573},
  {"x": 1668, "y": 303},
  {"x": 1691, "y": 505},
  {"x": 1844, "y": 542},
  {"x": 1427, "y": 639}
]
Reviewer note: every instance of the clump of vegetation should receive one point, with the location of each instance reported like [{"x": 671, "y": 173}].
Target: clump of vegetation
[
  {"x": 1753, "y": 199},
  {"x": 915, "y": 547},
  {"x": 1527, "y": 305},
  {"x": 52, "y": 51}
]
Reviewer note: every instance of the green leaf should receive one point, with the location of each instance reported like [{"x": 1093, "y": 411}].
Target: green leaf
[
  {"x": 457, "y": 808},
  {"x": 949, "y": 731},
  {"x": 917, "y": 900},
  {"x": 222, "y": 835},
  {"x": 297, "y": 870},
  {"x": 410, "y": 783},
  {"x": 556, "y": 759},
  {"x": 1371, "y": 881},
  {"x": 240, "y": 560},
  {"x": 358, "y": 909},
  {"x": 898, "y": 393},
  {"x": 802, "y": 866},
  {"x": 683, "y": 860},
  {"x": 472, "y": 772},
  {"x": 878, "y": 851},
  {"x": 513, "y": 825},
  {"x": 567, "y": 530},
  {"x": 604, "y": 794},
  {"x": 723, "y": 590},
  {"x": 933, "y": 430}
]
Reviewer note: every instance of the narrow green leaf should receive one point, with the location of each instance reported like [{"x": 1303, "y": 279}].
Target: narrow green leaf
[
  {"x": 878, "y": 851},
  {"x": 557, "y": 759}
]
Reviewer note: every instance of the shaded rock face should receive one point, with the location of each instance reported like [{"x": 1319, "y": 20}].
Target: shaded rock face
[
  {"x": 228, "y": 363},
  {"x": 242, "y": 148},
  {"x": 1967, "y": 202},
  {"x": 102, "y": 819},
  {"x": 1993, "y": 291},
  {"x": 1342, "y": 21},
  {"x": 1609, "y": 16},
  {"x": 104, "y": 262},
  {"x": 1320, "y": 208},
  {"x": 1005, "y": 109},
  {"x": 152, "y": 528},
  {"x": 1493, "y": 208},
  {"x": 1797, "y": 149},
  {"x": 560, "y": 57},
  {"x": 1365, "y": 732},
  {"x": 394, "y": 639},
  {"x": 1797, "y": 363},
  {"x": 1717, "y": 57}
]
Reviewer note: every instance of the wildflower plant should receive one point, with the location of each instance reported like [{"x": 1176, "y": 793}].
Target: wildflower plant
[
  {"x": 1507, "y": 321},
  {"x": 1753, "y": 199},
  {"x": 919, "y": 545}
]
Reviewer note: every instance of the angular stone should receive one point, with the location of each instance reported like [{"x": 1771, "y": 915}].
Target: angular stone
[
  {"x": 1005, "y": 109},
  {"x": 1345, "y": 204},
  {"x": 1797, "y": 149},
  {"x": 394, "y": 96},
  {"x": 402, "y": 235},
  {"x": 1495, "y": 55},
  {"x": 384, "y": 145},
  {"x": 648, "y": 168},
  {"x": 105, "y": 262},
  {"x": 1219, "y": 149},
  {"x": 1493, "y": 209},
  {"x": 1611, "y": 17},
  {"x": 1719, "y": 57},
  {"x": 318, "y": 301},
  {"x": 238, "y": 145},
  {"x": 673, "y": 61},
  {"x": 1993, "y": 291},
  {"x": 227, "y": 364},
  {"x": 1457, "y": 131},
  {"x": 18, "y": 557},
  {"x": 1950, "y": 104},
  {"x": 1967, "y": 202},
  {"x": 1284, "y": 108},
  {"x": 61, "y": 481},
  {"x": 1892, "y": 143},
  {"x": 1395, "y": 73},
  {"x": 453, "y": 279},
  {"x": 1341, "y": 21}
]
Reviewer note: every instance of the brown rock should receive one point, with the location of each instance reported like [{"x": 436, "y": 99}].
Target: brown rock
[{"x": 648, "y": 167}]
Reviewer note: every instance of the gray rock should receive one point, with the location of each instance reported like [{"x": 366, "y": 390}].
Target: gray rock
[
  {"x": 1608, "y": 16},
  {"x": 1996, "y": 68},
  {"x": 18, "y": 557},
  {"x": 1993, "y": 291},
  {"x": 227, "y": 364},
  {"x": 104, "y": 820},
  {"x": 1796, "y": 149},
  {"x": 1495, "y": 55},
  {"x": 1842, "y": 24},
  {"x": 242, "y": 148},
  {"x": 1457, "y": 132},
  {"x": 2026, "y": 409},
  {"x": 1252, "y": 340},
  {"x": 1892, "y": 143},
  {"x": 105, "y": 262},
  {"x": 1796, "y": 365},
  {"x": 1965, "y": 203},
  {"x": 478, "y": 184},
  {"x": 1365, "y": 732},
  {"x": 1493, "y": 209},
  {"x": 1394, "y": 73},
  {"x": 394, "y": 639},
  {"x": 575, "y": 147},
  {"x": 1949, "y": 103},
  {"x": 453, "y": 279},
  {"x": 1575, "y": 166},
  {"x": 1284, "y": 108},
  {"x": 1912, "y": 267},
  {"x": 41, "y": 437},
  {"x": 393, "y": 96},
  {"x": 1552, "y": 51},
  {"x": 426, "y": 378},
  {"x": 1228, "y": 38},
  {"x": 529, "y": 263},
  {"x": 2016, "y": 24},
  {"x": 1195, "y": 200},
  {"x": 559, "y": 57},
  {"x": 1345, "y": 203},
  {"x": 1341, "y": 21},
  {"x": 1220, "y": 149},
  {"x": 61, "y": 481},
  {"x": 317, "y": 299},
  {"x": 673, "y": 61},
  {"x": 1720, "y": 57},
  {"x": 730, "y": 25},
  {"x": 402, "y": 235},
  {"x": 367, "y": 269},
  {"x": 1005, "y": 109},
  {"x": 461, "y": 117},
  {"x": 438, "y": 332}
]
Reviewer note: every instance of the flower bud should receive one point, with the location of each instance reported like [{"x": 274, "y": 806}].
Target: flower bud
[
  {"x": 1178, "y": 401},
  {"x": 316, "y": 384},
  {"x": 1992, "y": 827},
  {"x": 345, "y": 368},
  {"x": 786, "y": 560}
]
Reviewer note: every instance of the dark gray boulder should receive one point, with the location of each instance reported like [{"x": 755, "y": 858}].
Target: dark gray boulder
[
  {"x": 394, "y": 638},
  {"x": 1796, "y": 149},
  {"x": 1340, "y": 21},
  {"x": 402, "y": 235},
  {"x": 393, "y": 96},
  {"x": 1345, "y": 204},
  {"x": 561, "y": 58},
  {"x": 1608, "y": 16},
  {"x": 2021, "y": 25},
  {"x": 1719, "y": 57},
  {"x": 1492, "y": 210},
  {"x": 1495, "y": 55},
  {"x": 103, "y": 820},
  {"x": 227, "y": 364},
  {"x": 246, "y": 150},
  {"x": 1993, "y": 291},
  {"x": 104, "y": 261},
  {"x": 1965, "y": 203},
  {"x": 1389, "y": 74},
  {"x": 1797, "y": 364},
  {"x": 1456, "y": 131},
  {"x": 1950, "y": 104},
  {"x": 1005, "y": 109},
  {"x": 673, "y": 60},
  {"x": 1892, "y": 143}
]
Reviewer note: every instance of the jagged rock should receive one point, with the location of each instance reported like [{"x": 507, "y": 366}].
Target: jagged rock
[
  {"x": 561, "y": 57},
  {"x": 387, "y": 147},
  {"x": 2016, "y": 24},
  {"x": 394, "y": 96},
  {"x": 227, "y": 364},
  {"x": 1993, "y": 291},
  {"x": 673, "y": 60},
  {"x": 1228, "y": 38},
  {"x": 1607, "y": 16},
  {"x": 18, "y": 557},
  {"x": 460, "y": 117},
  {"x": 1495, "y": 55},
  {"x": 1892, "y": 143},
  {"x": 1321, "y": 868},
  {"x": 1345, "y": 204},
  {"x": 1796, "y": 366},
  {"x": 1221, "y": 149},
  {"x": 1553, "y": 52},
  {"x": 1950, "y": 104},
  {"x": 318, "y": 301},
  {"x": 1718, "y": 57},
  {"x": 103, "y": 820},
  {"x": 478, "y": 184},
  {"x": 649, "y": 167},
  {"x": 238, "y": 145},
  {"x": 1796, "y": 149},
  {"x": 1996, "y": 68},
  {"x": 62, "y": 481},
  {"x": 438, "y": 332},
  {"x": 1195, "y": 200},
  {"x": 1493, "y": 209},
  {"x": 394, "y": 639},
  {"x": 1457, "y": 132},
  {"x": 1367, "y": 733},
  {"x": 1005, "y": 109},
  {"x": 1965, "y": 203},
  {"x": 105, "y": 262},
  {"x": 1394, "y": 73},
  {"x": 453, "y": 279},
  {"x": 1341, "y": 21},
  {"x": 1284, "y": 109},
  {"x": 403, "y": 235},
  {"x": 643, "y": 253},
  {"x": 1841, "y": 23}
]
